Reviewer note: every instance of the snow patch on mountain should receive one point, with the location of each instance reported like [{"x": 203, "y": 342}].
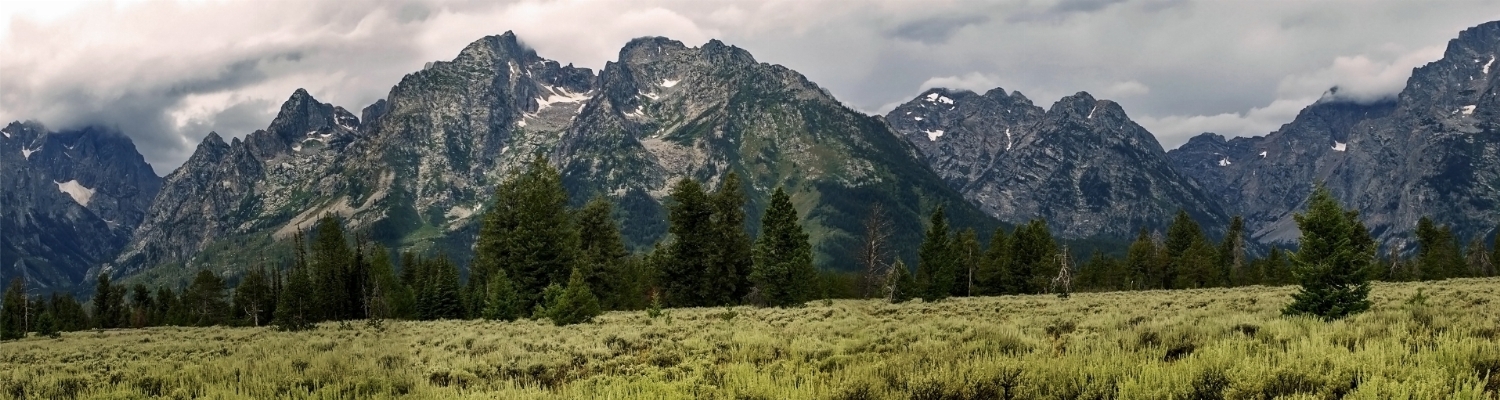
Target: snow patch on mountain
[{"x": 80, "y": 193}]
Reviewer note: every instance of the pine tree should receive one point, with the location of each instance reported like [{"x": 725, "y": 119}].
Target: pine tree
[
  {"x": 109, "y": 304},
  {"x": 1140, "y": 260},
  {"x": 1197, "y": 266},
  {"x": 1232, "y": 254},
  {"x": 1331, "y": 260},
  {"x": 330, "y": 262},
  {"x": 46, "y": 325},
  {"x": 142, "y": 307},
  {"x": 602, "y": 252},
  {"x": 166, "y": 303},
  {"x": 935, "y": 263},
  {"x": 1181, "y": 235},
  {"x": 967, "y": 256},
  {"x": 1438, "y": 254},
  {"x": 390, "y": 297},
  {"x": 1033, "y": 257},
  {"x": 576, "y": 304},
  {"x": 993, "y": 276},
  {"x": 295, "y": 310},
  {"x": 445, "y": 298},
  {"x": 529, "y": 231},
  {"x": 253, "y": 298},
  {"x": 900, "y": 286},
  {"x": 204, "y": 299},
  {"x": 731, "y": 265},
  {"x": 683, "y": 272},
  {"x": 501, "y": 302},
  {"x": 12, "y": 311},
  {"x": 784, "y": 270}
]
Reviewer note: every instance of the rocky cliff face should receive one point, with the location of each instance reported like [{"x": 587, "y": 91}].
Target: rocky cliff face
[
  {"x": 1432, "y": 151},
  {"x": 420, "y": 166},
  {"x": 71, "y": 200},
  {"x": 1082, "y": 164}
]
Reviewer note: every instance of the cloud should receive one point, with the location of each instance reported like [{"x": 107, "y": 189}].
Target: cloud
[{"x": 168, "y": 72}]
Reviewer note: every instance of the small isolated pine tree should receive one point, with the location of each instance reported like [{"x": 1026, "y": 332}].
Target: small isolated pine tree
[
  {"x": 46, "y": 326},
  {"x": 577, "y": 303},
  {"x": 935, "y": 269},
  {"x": 1335, "y": 252},
  {"x": 900, "y": 284},
  {"x": 501, "y": 302}
]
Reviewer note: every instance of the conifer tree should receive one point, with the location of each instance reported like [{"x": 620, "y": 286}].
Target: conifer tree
[
  {"x": 331, "y": 259},
  {"x": 109, "y": 303},
  {"x": 1033, "y": 257},
  {"x": 731, "y": 265},
  {"x": 142, "y": 307},
  {"x": 529, "y": 232},
  {"x": 1197, "y": 266},
  {"x": 935, "y": 263},
  {"x": 296, "y": 309},
  {"x": 253, "y": 298},
  {"x": 46, "y": 325},
  {"x": 204, "y": 299},
  {"x": 900, "y": 286},
  {"x": 70, "y": 315},
  {"x": 576, "y": 304},
  {"x": 1331, "y": 261},
  {"x": 784, "y": 271},
  {"x": 684, "y": 269},
  {"x": 12, "y": 311},
  {"x": 165, "y": 304},
  {"x": 1438, "y": 254},
  {"x": 993, "y": 276},
  {"x": 1140, "y": 260},
  {"x": 1181, "y": 235},
  {"x": 602, "y": 253},
  {"x": 390, "y": 297},
  {"x": 445, "y": 298},
  {"x": 967, "y": 256},
  {"x": 501, "y": 302},
  {"x": 1232, "y": 253}
]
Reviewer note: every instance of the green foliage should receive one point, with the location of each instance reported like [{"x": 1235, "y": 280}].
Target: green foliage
[
  {"x": 993, "y": 276},
  {"x": 967, "y": 257},
  {"x": 1231, "y": 255},
  {"x": 332, "y": 262},
  {"x": 529, "y": 232},
  {"x": 46, "y": 326},
  {"x": 576, "y": 304},
  {"x": 784, "y": 272},
  {"x": 936, "y": 269},
  {"x": 1334, "y": 253},
  {"x": 296, "y": 309},
  {"x": 253, "y": 298},
  {"x": 1438, "y": 252},
  {"x": 502, "y": 302},
  {"x": 1182, "y": 235},
  {"x": 602, "y": 254},
  {"x": 1197, "y": 266},
  {"x": 109, "y": 303},
  {"x": 389, "y": 296},
  {"x": 685, "y": 280},
  {"x": 1033, "y": 257},
  {"x": 204, "y": 300},
  {"x": 731, "y": 263},
  {"x": 12, "y": 312},
  {"x": 439, "y": 297}
]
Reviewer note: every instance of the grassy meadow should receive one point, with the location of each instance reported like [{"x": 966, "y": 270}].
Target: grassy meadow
[{"x": 1211, "y": 343}]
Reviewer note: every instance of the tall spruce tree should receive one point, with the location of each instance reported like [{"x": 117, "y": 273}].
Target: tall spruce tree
[
  {"x": 529, "y": 232},
  {"x": 1141, "y": 260},
  {"x": 390, "y": 297},
  {"x": 967, "y": 256},
  {"x": 253, "y": 298},
  {"x": 12, "y": 311},
  {"x": 784, "y": 270},
  {"x": 1181, "y": 235},
  {"x": 445, "y": 301},
  {"x": 935, "y": 263},
  {"x": 502, "y": 302},
  {"x": 204, "y": 299},
  {"x": 993, "y": 277},
  {"x": 331, "y": 259},
  {"x": 684, "y": 271},
  {"x": 602, "y": 253},
  {"x": 1331, "y": 261},
  {"x": 142, "y": 307},
  {"x": 731, "y": 265},
  {"x": 296, "y": 310},
  {"x": 109, "y": 303},
  {"x": 1198, "y": 266},
  {"x": 1232, "y": 253},
  {"x": 1033, "y": 257}
]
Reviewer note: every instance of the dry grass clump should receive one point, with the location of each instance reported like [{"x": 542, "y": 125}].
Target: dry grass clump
[{"x": 1202, "y": 344}]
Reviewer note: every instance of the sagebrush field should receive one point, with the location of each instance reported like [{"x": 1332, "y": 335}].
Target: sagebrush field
[{"x": 1212, "y": 343}]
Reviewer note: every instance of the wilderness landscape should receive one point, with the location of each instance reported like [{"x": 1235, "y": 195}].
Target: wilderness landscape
[{"x": 689, "y": 221}]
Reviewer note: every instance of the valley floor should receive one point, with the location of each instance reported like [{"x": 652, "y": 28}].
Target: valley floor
[{"x": 1212, "y": 343}]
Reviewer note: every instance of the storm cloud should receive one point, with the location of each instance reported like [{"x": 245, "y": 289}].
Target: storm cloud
[{"x": 167, "y": 73}]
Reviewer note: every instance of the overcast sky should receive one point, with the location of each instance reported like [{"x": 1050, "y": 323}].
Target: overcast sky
[{"x": 167, "y": 73}]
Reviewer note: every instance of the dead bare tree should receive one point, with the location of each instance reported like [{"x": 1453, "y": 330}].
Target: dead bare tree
[
  {"x": 874, "y": 252},
  {"x": 1063, "y": 283}
]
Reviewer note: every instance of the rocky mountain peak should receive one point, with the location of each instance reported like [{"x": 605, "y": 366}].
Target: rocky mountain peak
[{"x": 504, "y": 46}]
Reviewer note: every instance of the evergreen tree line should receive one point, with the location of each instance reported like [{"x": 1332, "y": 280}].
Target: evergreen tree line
[{"x": 538, "y": 258}]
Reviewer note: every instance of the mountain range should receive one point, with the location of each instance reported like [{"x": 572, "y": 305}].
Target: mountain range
[{"x": 416, "y": 169}]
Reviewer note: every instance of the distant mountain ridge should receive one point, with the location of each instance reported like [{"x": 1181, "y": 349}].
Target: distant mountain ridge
[{"x": 1432, "y": 151}]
